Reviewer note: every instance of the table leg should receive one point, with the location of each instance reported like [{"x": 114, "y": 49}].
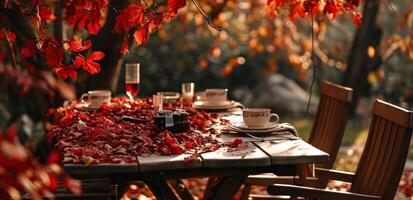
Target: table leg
[
  {"x": 183, "y": 192},
  {"x": 211, "y": 181},
  {"x": 161, "y": 190},
  {"x": 226, "y": 187}
]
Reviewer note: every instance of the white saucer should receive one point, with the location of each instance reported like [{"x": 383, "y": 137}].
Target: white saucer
[
  {"x": 214, "y": 105},
  {"x": 85, "y": 106},
  {"x": 263, "y": 131},
  {"x": 242, "y": 125}
]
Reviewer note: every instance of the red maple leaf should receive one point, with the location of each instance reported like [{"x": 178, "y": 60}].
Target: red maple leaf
[
  {"x": 174, "y": 5},
  {"x": 357, "y": 19},
  {"x": 88, "y": 64},
  {"x": 86, "y": 14},
  {"x": 129, "y": 17},
  {"x": 77, "y": 45},
  {"x": 155, "y": 21},
  {"x": 46, "y": 14},
  {"x": 29, "y": 49},
  {"x": 66, "y": 71},
  {"x": 330, "y": 8},
  {"x": 141, "y": 35},
  {"x": 53, "y": 52}
]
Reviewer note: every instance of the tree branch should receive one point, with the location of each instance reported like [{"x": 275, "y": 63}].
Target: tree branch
[
  {"x": 57, "y": 25},
  {"x": 218, "y": 28}
]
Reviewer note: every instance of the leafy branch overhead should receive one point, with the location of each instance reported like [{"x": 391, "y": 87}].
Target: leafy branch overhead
[{"x": 141, "y": 17}]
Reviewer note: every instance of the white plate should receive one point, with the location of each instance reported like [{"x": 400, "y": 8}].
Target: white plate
[
  {"x": 85, "y": 106},
  {"x": 208, "y": 105},
  {"x": 242, "y": 125}
]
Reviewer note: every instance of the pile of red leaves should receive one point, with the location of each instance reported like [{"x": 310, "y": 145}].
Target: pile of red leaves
[
  {"x": 19, "y": 171},
  {"x": 123, "y": 130}
]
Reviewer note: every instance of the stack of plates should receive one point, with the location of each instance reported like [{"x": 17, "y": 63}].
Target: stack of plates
[{"x": 241, "y": 127}]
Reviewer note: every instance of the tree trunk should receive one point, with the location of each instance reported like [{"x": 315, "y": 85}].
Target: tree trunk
[
  {"x": 109, "y": 43},
  {"x": 359, "y": 63}
]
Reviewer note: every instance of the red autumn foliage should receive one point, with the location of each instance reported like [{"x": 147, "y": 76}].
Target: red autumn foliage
[
  {"x": 86, "y": 14},
  {"x": 103, "y": 136},
  {"x": 131, "y": 16},
  {"x": 19, "y": 171},
  {"x": 89, "y": 64},
  {"x": 141, "y": 35}
]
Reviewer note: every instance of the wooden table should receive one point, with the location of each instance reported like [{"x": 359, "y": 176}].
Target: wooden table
[{"x": 232, "y": 168}]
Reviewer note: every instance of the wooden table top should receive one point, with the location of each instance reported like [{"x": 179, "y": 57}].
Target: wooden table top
[{"x": 258, "y": 154}]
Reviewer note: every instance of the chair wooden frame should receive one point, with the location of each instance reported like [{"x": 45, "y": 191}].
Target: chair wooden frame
[
  {"x": 326, "y": 134},
  {"x": 381, "y": 164}
]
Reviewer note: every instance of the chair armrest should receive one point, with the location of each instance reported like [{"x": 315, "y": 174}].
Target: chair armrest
[
  {"x": 329, "y": 174},
  {"x": 266, "y": 180},
  {"x": 300, "y": 191}
]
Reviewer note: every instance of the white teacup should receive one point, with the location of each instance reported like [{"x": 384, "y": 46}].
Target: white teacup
[
  {"x": 95, "y": 98},
  {"x": 216, "y": 96},
  {"x": 258, "y": 117}
]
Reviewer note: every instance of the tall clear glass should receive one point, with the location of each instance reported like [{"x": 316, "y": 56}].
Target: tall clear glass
[
  {"x": 188, "y": 90},
  {"x": 132, "y": 79}
]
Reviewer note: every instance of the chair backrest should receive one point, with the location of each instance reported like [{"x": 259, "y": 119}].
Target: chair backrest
[
  {"x": 331, "y": 118},
  {"x": 384, "y": 155}
]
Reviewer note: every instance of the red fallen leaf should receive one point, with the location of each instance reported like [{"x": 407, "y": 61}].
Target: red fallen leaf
[
  {"x": 89, "y": 64},
  {"x": 73, "y": 185},
  {"x": 1, "y": 57},
  {"x": 88, "y": 160},
  {"x": 169, "y": 141},
  {"x": 176, "y": 150},
  {"x": 238, "y": 141},
  {"x": 141, "y": 35},
  {"x": 174, "y": 5},
  {"x": 66, "y": 71},
  {"x": 78, "y": 46},
  {"x": 188, "y": 144},
  {"x": 29, "y": 49}
]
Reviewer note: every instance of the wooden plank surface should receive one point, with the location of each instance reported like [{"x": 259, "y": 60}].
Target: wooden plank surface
[
  {"x": 292, "y": 152},
  {"x": 251, "y": 156},
  {"x": 159, "y": 163},
  {"x": 99, "y": 169}
]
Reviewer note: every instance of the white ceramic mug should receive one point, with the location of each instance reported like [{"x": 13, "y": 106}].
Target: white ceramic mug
[
  {"x": 95, "y": 98},
  {"x": 258, "y": 117},
  {"x": 216, "y": 95}
]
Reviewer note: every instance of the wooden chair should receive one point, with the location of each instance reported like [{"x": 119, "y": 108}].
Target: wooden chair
[
  {"x": 381, "y": 164},
  {"x": 326, "y": 134}
]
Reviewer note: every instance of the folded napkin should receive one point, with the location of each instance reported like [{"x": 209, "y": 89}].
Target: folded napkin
[{"x": 284, "y": 131}]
